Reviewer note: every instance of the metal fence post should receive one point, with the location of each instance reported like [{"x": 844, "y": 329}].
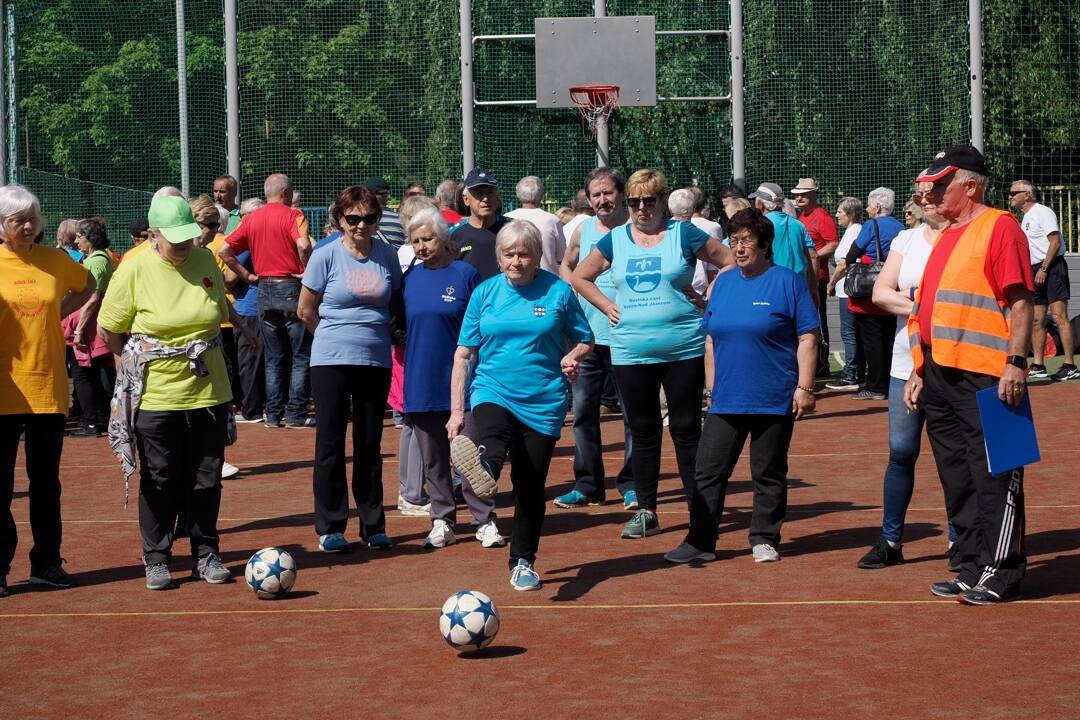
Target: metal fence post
[
  {"x": 182, "y": 104},
  {"x": 3, "y": 114},
  {"x": 975, "y": 49},
  {"x": 232, "y": 94},
  {"x": 468, "y": 148},
  {"x": 738, "y": 105},
  {"x": 603, "y": 156}
]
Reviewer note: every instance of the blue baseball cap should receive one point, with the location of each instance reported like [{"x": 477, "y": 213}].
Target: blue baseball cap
[{"x": 480, "y": 176}]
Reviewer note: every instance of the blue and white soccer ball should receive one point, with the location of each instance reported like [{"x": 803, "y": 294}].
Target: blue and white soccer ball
[
  {"x": 469, "y": 620},
  {"x": 271, "y": 573}
]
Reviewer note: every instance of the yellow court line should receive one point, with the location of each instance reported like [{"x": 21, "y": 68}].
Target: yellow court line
[{"x": 552, "y": 607}]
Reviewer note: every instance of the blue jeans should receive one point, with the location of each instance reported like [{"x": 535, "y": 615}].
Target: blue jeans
[
  {"x": 905, "y": 439},
  {"x": 286, "y": 351},
  {"x": 854, "y": 364},
  {"x": 588, "y": 446}
]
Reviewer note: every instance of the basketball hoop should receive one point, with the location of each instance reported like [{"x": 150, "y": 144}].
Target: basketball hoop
[{"x": 595, "y": 102}]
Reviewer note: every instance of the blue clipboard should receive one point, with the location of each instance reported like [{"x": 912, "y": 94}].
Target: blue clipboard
[{"x": 1008, "y": 432}]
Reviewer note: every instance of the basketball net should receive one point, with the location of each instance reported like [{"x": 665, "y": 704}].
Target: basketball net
[{"x": 594, "y": 102}]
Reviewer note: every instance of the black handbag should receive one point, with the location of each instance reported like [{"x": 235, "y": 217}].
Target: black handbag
[{"x": 860, "y": 277}]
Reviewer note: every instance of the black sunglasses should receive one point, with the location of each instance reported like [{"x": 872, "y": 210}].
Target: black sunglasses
[
  {"x": 635, "y": 203},
  {"x": 210, "y": 225},
  {"x": 1016, "y": 192},
  {"x": 354, "y": 220}
]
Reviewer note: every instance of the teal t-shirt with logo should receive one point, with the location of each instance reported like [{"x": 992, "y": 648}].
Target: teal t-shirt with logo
[
  {"x": 519, "y": 335},
  {"x": 598, "y": 321},
  {"x": 657, "y": 321}
]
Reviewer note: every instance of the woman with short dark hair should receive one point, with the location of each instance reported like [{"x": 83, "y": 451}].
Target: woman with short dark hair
[{"x": 763, "y": 326}]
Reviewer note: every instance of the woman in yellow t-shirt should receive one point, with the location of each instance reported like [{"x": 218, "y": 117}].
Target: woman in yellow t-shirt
[
  {"x": 170, "y": 300},
  {"x": 39, "y": 286}
]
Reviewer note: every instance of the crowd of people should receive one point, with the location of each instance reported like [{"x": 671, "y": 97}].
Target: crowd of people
[{"x": 480, "y": 329}]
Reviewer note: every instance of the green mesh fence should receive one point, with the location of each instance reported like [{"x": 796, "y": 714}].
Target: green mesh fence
[{"x": 856, "y": 93}]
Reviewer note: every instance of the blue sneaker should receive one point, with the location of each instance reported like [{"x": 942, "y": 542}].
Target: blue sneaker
[
  {"x": 380, "y": 541},
  {"x": 523, "y": 577},
  {"x": 333, "y": 543},
  {"x": 575, "y": 499},
  {"x": 629, "y": 500}
]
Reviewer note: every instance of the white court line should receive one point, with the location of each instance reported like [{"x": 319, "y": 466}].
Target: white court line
[{"x": 547, "y": 608}]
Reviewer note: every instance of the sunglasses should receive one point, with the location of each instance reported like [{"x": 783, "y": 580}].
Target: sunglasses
[
  {"x": 637, "y": 202},
  {"x": 1016, "y": 192},
  {"x": 918, "y": 198},
  {"x": 354, "y": 220},
  {"x": 209, "y": 225}
]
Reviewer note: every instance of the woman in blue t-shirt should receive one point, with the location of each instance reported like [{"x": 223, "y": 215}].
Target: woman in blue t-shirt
[
  {"x": 345, "y": 304},
  {"x": 656, "y": 336},
  {"x": 437, "y": 291},
  {"x": 516, "y": 327},
  {"x": 763, "y": 325}
]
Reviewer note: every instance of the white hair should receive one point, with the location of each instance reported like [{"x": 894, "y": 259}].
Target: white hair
[
  {"x": 770, "y": 205},
  {"x": 884, "y": 198},
  {"x": 251, "y": 205},
  {"x": 980, "y": 180},
  {"x": 15, "y": 199},
  {"x": 520, "y": 232},
  {"x": 530, "y": 189},
  {"x": 681, "y": 203},
  {"x": 1028, "y": 187},
  {"x": 430, "y": 218},
  {"x": 167, "y": 191},
  {"x": 445, "y": 193},
  {"x": 790, "y": 208}
]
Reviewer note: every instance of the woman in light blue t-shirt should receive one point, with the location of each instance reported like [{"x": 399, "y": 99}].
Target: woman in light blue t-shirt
[
  {"x": 345, "y": 303},
  {"x": 656, "y": 336},
  {"x": 516, "y": 326}
]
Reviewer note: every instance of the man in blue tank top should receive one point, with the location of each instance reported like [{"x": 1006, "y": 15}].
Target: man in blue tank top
[{"x": 605, "y": 189}]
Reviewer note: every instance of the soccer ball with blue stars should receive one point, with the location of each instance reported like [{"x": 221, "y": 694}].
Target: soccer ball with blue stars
[
  {"x": 271, "y": 573},
  {"x": 469, "y": 620}
]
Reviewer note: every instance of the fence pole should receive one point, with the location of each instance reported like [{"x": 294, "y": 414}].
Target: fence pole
[
  {"x": 738, "y": 106},
  {"x": 3, "y": 103},
  {"x": 603, "y": 157},
  {"x": 181, "y": 84},
  {"x": 468, "y": 148},
  {"x": 232, "y": 94},
  {"x": 975, "y": 49}
]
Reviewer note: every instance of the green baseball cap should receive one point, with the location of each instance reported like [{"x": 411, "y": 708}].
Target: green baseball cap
[{"x": 172, "y": 217}]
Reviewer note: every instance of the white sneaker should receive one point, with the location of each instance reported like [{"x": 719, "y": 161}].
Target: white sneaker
[
  {"x": 765, "y": 553},
  {"x": 488, "y": 535},
  {"x": 412, "y": 509},
  {"x": 228, "y": 470},
  {"x": 688, "y": 553},
  {"x": 441, "y": 535}
]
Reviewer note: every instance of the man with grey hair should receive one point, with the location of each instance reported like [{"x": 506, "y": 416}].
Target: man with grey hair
[
  {"x": 969, "y": 332},
  {"x": 446, "y": 197},
  {"x": 225, "y": 189},
  {"x": 792, "y": 247},
  {"x": 1051, "y": 279},
  {"x": 530, "y": 193}
]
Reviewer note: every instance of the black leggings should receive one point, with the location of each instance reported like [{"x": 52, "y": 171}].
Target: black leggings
[
  {"x": 44, "y": 442},
  {"x": 499, "y": 431},
  {"x": 94, "y": 391},
  {"x": 333, "y": 388},
  {"x": 683, "y": 382}
]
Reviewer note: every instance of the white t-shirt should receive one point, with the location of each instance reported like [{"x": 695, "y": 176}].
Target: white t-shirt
[
  {"x": 914, "y": 245},
  {"x": 573, "y": 224},
  {"x": 700, "y": 283},
  {"x": 850, "y": 234},
  {"x": 405, "y": 255},
  {"x": 552, "y": 239},
  {"x": 1039, "y": 222}
]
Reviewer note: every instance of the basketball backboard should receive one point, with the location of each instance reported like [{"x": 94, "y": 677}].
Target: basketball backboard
[{"x": 596, "y": 50}]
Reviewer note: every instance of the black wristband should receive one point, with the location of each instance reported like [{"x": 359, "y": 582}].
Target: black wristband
[{"x": 1017, "y": 361}]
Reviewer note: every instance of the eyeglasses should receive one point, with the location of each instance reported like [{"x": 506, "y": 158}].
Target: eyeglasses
[
  {"x": 354, "y": 220},
  {"x": 749, "y": 241},
  {"x": 637, "y": 202},
  {"x": 1016, "y": 192}
]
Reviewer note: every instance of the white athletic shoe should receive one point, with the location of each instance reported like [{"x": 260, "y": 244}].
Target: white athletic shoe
[
  {"x": 765, "y": 553},
  {"x": 488, "y": 535},
  {"x": 228, "y": 470},
  {"x": 441, "y": 535},
  {"x": 412, "y": 509}
]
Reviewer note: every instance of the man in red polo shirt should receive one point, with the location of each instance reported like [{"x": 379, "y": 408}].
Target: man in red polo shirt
[
  {"x": 277, "y": 237},
  {"x": 822, "y": 229}
]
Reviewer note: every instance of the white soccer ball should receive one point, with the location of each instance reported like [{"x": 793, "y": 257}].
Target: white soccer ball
[
  {"x": 469, "y": 620},
  {"x": 271, "y": 573}
]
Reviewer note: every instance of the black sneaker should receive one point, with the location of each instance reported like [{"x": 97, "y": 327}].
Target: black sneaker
[
  {"x": 1066, "y": 372},
  {"x": 881, "y": 556},
  {"x": 308, "y": 422},
  {"x": 980, "y": 595},
  {"x": 1037, "y": 371},
  {"x": 954, "y": 559},
  {"x": 949, "y": 588},
  {"x": 53, "y": 576},
  {"x": 4, "y": 592},
  {"x": 87, "y": 431}
]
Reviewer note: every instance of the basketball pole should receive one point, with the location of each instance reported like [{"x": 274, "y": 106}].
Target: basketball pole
[
  {"x": 975, "y": 61},
  {"x": 3, "y": 100},
  {"x": 182, "y": 101},
  {"x": 738, "y": 107},
  {"x": 603, "y": 157},
  {"x": 232, "y": 95},
  {"x": 468, "y": 148}
]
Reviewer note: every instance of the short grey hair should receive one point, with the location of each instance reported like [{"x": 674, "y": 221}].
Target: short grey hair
[
  {"x": 412, "y": 205},
  {"x": 251, "y": 205},
  {"x": 431, "y": 218},
  {"x": 530, "y": 189},
  {"x": 1029, "y": 187},
  {"x": 852, "y": 207},
  {"x": 884, "y": 198},
  {"x": 790, "y": 208},
  {"x": 681, "y": 203},
  {"x": 446, "y": 193},
  {"x": 519, "y": 232},
  {"x": 15, "y": 199},
  {"x": 277, "y": 185},
  {"x": 65, "y": 233},
  {"x": 980, "y": 180},
  {"x": 167, "y": 191},
  {"x": 771, "y": 205}
]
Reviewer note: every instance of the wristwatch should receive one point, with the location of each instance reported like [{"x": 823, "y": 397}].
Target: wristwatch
[{"x": 1017, "y": 361}]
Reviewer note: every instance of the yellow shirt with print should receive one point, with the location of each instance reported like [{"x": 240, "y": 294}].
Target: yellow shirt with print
[
  {"x": 32, "y": 284},
  {"x": 214, "y": 246},
  {"x": 175, "y": 304}
]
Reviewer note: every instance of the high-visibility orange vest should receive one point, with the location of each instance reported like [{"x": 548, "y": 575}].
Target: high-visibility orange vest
[{"x": 970, "y": 325}]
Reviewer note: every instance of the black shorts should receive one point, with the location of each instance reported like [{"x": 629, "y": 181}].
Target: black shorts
[{"x": 1056, "y": 287}]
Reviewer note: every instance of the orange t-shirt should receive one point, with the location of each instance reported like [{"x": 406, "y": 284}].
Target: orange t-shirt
[{"x": 33, "y": 378}]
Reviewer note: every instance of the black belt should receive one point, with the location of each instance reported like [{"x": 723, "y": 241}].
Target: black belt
[{"x": 279, "y": 279}]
